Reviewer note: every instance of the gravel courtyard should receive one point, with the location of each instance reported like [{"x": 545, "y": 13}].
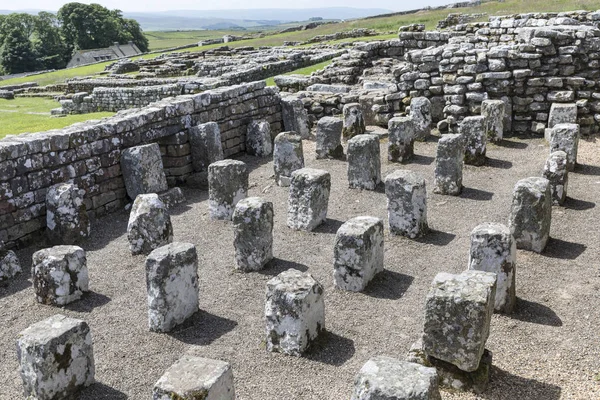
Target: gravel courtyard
[{"x": 547, "y": 350}]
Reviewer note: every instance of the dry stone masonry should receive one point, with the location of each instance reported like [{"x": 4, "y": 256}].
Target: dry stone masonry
[
  {"x": 449, "y": 165},
  {"x": 555, "y": 170},
  {"x": 287, "y": 157},
  {"x": 253, "y": 233},
  {"x": 364, "y": 162},
  {"x": 406, "y": 203},
  {"x": 149, "y": 225},
  {"x": 227, "y": 185},
  {"x": 67, "y": 221},
  {"x": 308, "y": 199}
]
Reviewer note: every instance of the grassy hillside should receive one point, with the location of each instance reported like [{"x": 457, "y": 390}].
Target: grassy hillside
[{"x": 165, "y": 40}]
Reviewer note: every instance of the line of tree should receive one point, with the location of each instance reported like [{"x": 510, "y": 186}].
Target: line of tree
[{"x": 47, "y": 41}]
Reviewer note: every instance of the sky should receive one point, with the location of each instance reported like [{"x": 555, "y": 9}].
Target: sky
[{"x": 162, "y": 5}]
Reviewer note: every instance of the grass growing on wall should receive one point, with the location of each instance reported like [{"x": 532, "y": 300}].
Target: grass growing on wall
[{"x": 302, "y": 71}]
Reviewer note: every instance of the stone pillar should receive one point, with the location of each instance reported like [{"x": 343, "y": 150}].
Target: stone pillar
[
  {"x": 9, "y": 263},
  {"x": 493, "y": 249},
  {"x": 258, "y": 139},
  {"x": 206, "y": 146},
  {"x": 56, "y": 358},
  {"x": 493, "y": 112},
  {"x": 287, "y": 157},
  {"x": 253, "y": 233},
  {"x": 67, "y": 220},
  {"x": 295, "y": 116},
  {"x": 508, "y": 115},
  {"x": 556, "y": 172},
  {"x": 420, "y": 114},
  {"x": 357, "y": 253},
  {"x": 562, "y": 113},
  {"x": 406, "y": 203},
  {"x": 354, "y": 123},
  {"x": 294, "y": 312},
  {"x": 458, "y": 312},
  {"x": 149, "y": 224},
  {"x": 531, "y": 214},
  {"x": 172, "y": 285},
  {"x": 143, "y": 170},
  {"x": 329, "y": 136},
  {"x": 192, "y": 378},
  {"x": 386, "y": 378},
  {"x": 364, "y": 162},
  {"x": 449, "y": 165},
  {"x": 401, "y": 139},
  {"x": 309, "y": 198},
  {"x": 227, "y": 184},
  {"x": 473, "y": 131},
  {"x": 60, "y": 275},
  {"x": 565, "y": 137}
]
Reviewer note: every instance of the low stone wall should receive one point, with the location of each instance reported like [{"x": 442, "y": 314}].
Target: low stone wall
[{"x": 89, "y": 153}]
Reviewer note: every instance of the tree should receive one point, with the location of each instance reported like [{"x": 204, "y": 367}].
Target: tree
[
  {"x": 48, "y": 45},
  {"x": 17, "y": 55}
]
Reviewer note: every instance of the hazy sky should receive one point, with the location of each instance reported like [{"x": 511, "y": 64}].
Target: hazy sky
[{"x": 160, "y": 5}]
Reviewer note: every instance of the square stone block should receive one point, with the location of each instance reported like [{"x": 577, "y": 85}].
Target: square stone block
[
  {"x": 149, "y": 225},
  {"x": 406, "y": 203},
  {"x": 308, "y": 199},
  {"x": 143, "y": 171},
  {"x": 205, "y": 145},
  {"x": 364, "y": 162},
  {"x": 288, "y": 157},
  {"x": 227, "y": 184},
  {"x": 253, "y": 233}
]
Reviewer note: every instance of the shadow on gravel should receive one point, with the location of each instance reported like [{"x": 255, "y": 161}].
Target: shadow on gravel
[
  {"x": 88, "y": 302},
  {"x": 106, "y": 229},
  {"x": 497, "y": 163},
  {"x": 101, "y": 391},
  {"x": 512, "y": 144},
  {"x": 421, "y": 160},
  {"x": 563, "y": 250},
  {"x": 388, "y": 285},
  {"x": 277, "y": 266},
  {"x": 476, "y": 194},
  {"x": 584, "y": 169},
  {"x": 330, "y": 226},
  {"x": 437, "y": 238},
  {"x": 331, "y": 349},
  {"x": 504, "y": 385},
  {"x": 579, "y": 205},
  {"x": 202, "y": 328},
  {"x": 536, "y": 313}
]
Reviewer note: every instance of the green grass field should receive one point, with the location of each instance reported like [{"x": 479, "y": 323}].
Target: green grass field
[
  {"x": 165, "y": 40},
  {"x": 302, "y": 71},
  {"x": 25, "y": 114}
]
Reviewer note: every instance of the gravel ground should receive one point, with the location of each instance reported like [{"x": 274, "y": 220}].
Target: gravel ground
[{"x": 548, "y": 349}]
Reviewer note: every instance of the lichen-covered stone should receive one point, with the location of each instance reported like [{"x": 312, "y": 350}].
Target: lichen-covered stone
[
  {"x": 258, "y": 139},
  {"x": 308, "y": 198},
  {"x": 458, "y": 312},
  {"x": 565, "y": 137},
  {"x": 172, "y": 197},
  {"x": 493, "y": 112},
  {"x": 149, "y": 224},
  {"x": 9, "y": 263},
  {"x": 329, "y": 137},
  {"x": 59, "y": 274},
  {"x": 196, "y": 378},
  {"x": 386, "y": 378},
  {"x": 287, "y": 157},
  {"x": 493, "y": 249},
  {"x": 227, "y": 184},
  {"x": 406, "y": 203},
  {"x": 172, "y": 285},
  {"x": 357, "y": 253},
  {"x": 562, "y": 113},
  {"x": 555, "y": 170},
  {"x": 205, "y": 145},
  {"x": 473, "y": 131},
  {"x": 253, "y": 233},
  {"x": 364, "y": 162},
  {"x": 401, "y": 139},
  {"x": 56, "y": 358},
  {"x": 67, "y": 221},
  {"x": 531, "y": 214},
  {"x": 420, "y": 114},
  {"x": 294, "y": 312},
  {"x": 295, "y": 116},
  {"x": 143, "y": 172},
  {"x": 449, "y": 165},
  {"x": 354, "y": 122}
]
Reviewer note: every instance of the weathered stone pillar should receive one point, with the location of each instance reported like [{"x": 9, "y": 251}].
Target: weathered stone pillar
[
  {"x": 294, "y": 312},
  {"x": 192, "y": 378},
  {"x": 473, "y": 131},
  {"x": 295, "y": 116},
  {"x": 67, "y": 221},
  {"x": 358, "y": 253},
  {"x": 401, "y": 139},
  {"x": 493, "y": 249},
  {"x": 406, "y": 203},
  {"x": 354, "y": 123},
  {"x": 309, "y": 198},
  {"x": 449, "y": 165},
  {"x": 253, "y": 233},
  {"x": 531, "y": 214},
  {"x": 143, "y": 170},
  {"x": 386, "y": 378},
  {"x": 364, "y": 162},
  {"x": 206, "y": 146},
  {"x": 60, "y": 275},
  {"x": 258, "y": 139},
  {"x": 227, "y": 184},
  {"x": 420, "y": 114},
  {"x": 562, "y": 113},
  {"x": 493, "y": 112},
  {"x": 329, "y": 136},
  {"x": 56, "y": 358},
  {"x": 287, "y": 157},
  {"x": 149, "y": 224},
  {"x": 555, "y": 170},
  {"x": 565, "y": 137},
  {"x": 172, "y": 285},
  {"x": 9, "y": 263}
]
